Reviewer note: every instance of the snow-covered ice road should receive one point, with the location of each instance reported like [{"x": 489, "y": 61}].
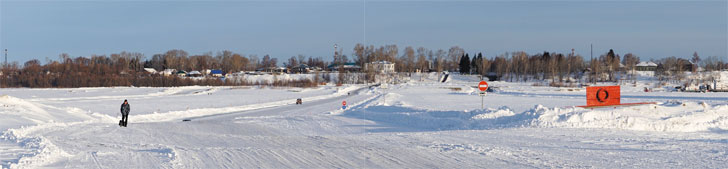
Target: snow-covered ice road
[{"x": 319, "y": 135}]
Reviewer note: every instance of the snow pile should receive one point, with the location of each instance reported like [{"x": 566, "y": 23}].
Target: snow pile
[
  {"x": 459, "y": 78},
  {"x": 44, "y": 153},
  {"x": 347, "y": 89},
  {"x": 463, "y": 90},
  {"x": 426, "y": 77},
  {"x": 673, "y": 117},
  {"x": 20, "y": 118},
  {"x": 668, "y": 117},
  {"x": 503, "y": 112},
  {"x": 16, "y": 112}
]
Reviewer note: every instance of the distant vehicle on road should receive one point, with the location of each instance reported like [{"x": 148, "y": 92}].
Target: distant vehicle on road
[{"x": 299, "y": 101}]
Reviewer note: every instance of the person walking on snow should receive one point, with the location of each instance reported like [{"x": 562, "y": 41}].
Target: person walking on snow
[{"x": 124, "y": 113}]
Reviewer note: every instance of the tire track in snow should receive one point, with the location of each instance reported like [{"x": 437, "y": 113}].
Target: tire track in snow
[{"x": 96, "y": 160}]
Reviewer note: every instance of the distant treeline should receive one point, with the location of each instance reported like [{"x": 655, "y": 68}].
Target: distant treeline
[
  {"x": 521, "y": 66},
  {"x": 83, "y": 72},
  {"x": 124, "y": 69},
  {"x": 127, "y": 68}
]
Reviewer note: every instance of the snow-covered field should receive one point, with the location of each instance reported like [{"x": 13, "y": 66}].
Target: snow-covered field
[{"x": 419, "y": 124}]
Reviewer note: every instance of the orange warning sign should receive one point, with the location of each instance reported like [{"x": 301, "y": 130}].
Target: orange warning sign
[{"x": 602, "y": 96}]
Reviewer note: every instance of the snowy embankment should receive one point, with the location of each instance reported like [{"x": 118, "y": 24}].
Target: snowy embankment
[
  {"x": 17, "y": 114},
  {"x": 673, "y": 117},
  {"x": 669, "y": 117}
]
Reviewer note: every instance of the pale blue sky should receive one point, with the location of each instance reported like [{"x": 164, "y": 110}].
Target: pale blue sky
[{"x": 649, "y": 29}]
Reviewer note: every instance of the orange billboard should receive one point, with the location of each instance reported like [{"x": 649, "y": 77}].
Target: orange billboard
[{"x": 602, "y": 96}]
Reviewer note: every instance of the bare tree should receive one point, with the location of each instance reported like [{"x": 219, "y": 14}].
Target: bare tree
[
  {"x": 254, "y": 62},
  {"x": 301, "y": 59},
  {"x": 695, "y": 60},
  {"x": 711, "y": 63},
  {"x": 359, "y": 53},
  {"x": 266, "y": 62},
  {"x": 408, "y": 59},
  {"x": 520, "y": 64},
  {"x": 390, "y": 53},
  {"x": 454, "y": 54},
  {"x": 421, "y": 63},
  {"x": 440, "y": 61},
  {"x": 239, "y": 62},
  {"x": 173, "y": 58},
  {"x": 596, "y": 70},
  {"x": 292, "y": 62},
  {"x": 629, "y": 61}
]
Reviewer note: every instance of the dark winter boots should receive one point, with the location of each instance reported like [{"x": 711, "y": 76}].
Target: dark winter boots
[{"x": 122, "y": 122}]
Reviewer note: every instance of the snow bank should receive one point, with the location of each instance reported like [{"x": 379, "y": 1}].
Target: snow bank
[
  {"x": 16, "y": 112},
  {"x": 44, "y": 153},
  {"x": 673, "y": 117},
  {"x": 668, "y": 117},
  {"x": 20, "y": 118}
]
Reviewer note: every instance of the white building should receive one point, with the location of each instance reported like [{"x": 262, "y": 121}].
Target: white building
[
  {"x": 168, "y": 72},
  {"x": 646, "y": 66},
  {"x": 150, "y": 70},
  {"x": 194, "y": 73},
  {"x": 721, "y": 81},
  {"x": 383, "y": 67}
]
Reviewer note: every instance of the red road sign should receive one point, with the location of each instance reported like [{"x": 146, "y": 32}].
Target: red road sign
[
  {"x": 343, "y": 103},
  {"x": 483, "y": 85}
]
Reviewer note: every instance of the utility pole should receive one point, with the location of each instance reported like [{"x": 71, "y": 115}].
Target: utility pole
[
  {"x": 6, "y": 58},
  {"x": 591, "y": 61},
  {"x": 336, "y": 54}
]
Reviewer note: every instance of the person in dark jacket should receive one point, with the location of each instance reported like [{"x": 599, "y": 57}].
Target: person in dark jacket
[{"x": 124, "y": 113}]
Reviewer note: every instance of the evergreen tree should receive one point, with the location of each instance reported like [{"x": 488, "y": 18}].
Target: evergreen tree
[
  {"x": 480, "y": 63},
  {"x": 610, "y": 54},
  {"x": 465, "y": 64},
  {"x": 474, "y": 64},
  {"x": 461, "y": 65}
]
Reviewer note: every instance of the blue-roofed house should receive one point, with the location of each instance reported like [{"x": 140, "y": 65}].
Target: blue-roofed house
[{"x": 216, "y": 73}]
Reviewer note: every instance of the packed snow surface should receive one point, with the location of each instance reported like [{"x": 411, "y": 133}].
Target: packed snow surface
[{"x": 419, "y": 122}]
